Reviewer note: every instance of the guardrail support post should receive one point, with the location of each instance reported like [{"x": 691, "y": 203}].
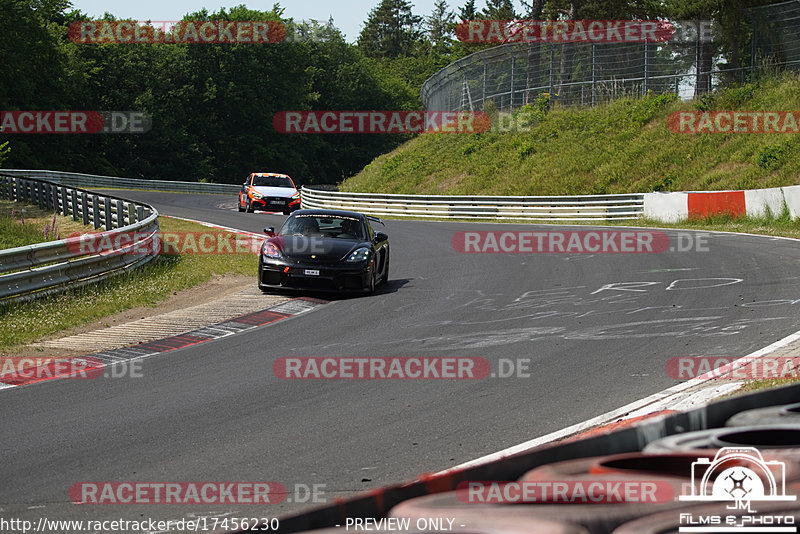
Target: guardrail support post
[
  {"x": 63, "y": 209},
  {"x": 85, "y": 208},
  {"x": 74, "y": 205},
  {"x": 107, "y": 210},
  {"x": 96, "y": 211},
  {"x": 139, "y": 213},
  {"x": 120, "y": 216}
]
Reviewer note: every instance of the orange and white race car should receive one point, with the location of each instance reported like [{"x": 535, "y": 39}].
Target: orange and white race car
[{"x": 267, "y": 191}]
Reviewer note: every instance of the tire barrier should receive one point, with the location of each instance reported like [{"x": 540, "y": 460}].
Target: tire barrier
[
  {"x": 788, "y": 414},
  {"x": 783, "y": 440},
  {"x": 670, "y": 465},
  {"x": 672, "y": 468},
  {"x": 595, "y": 518},
  {"x": 671, "y": 471}
]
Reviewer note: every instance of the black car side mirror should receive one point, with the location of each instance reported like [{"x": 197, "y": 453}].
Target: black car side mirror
[
  {"x": 380, "y": 236},
  {"x": 269, "y": 230}
]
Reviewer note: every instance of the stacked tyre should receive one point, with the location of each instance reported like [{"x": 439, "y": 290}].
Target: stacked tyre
[{"x": 686, "y": 472}]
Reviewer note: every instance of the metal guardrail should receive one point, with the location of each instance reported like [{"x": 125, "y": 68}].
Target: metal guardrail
[
  {"x": 94, "y": 180},
  {"x": 532, "y": 208},
  {"x": 36, "y": 270}
]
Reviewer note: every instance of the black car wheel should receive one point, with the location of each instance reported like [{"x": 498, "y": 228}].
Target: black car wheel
[
  {"x": 371, "y": 286},
  {"x": 250, "y": 208},
  {"x": 239, "y": 204}
]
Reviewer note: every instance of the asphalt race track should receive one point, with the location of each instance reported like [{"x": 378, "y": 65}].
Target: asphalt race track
[{"x": 216, "y": 412}]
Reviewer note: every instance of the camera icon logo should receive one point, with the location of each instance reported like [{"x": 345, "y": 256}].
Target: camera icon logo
[{"x": 738, "y": 474}]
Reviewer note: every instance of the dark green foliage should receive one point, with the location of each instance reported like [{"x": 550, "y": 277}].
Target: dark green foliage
[
  {"x": 664, "y": 183},
  {"x": 771, "y": 156},
  {"x": 212, "y": 104},
  {"x": 648, "y": 107},
  {"x": 391, "y": 30}
]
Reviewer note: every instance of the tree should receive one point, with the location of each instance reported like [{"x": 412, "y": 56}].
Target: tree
[
  {"x": 499, "y": 10},
  {"x": 391, "y": 30},
  {"x": 4, "y": 150},
  {"x": 568, "y": 54},
  {"x": 468, "y": 11},
  {"x": 534, "y": 8},
  {"x": 732, "y": 27},
  {"x": 441, "y": 26},
  {"x": 700, "y": 9}
]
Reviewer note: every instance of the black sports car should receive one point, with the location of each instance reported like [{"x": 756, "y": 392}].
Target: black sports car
[{"x": 325, "y": 250}]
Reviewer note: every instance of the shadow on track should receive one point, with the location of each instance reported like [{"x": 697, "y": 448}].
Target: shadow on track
[{"x": 392, "y": 286}]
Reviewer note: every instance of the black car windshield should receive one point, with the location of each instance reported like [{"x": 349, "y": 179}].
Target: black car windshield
[
  {"x": 335, "y": 226},
  {"x": 272, "y": 181}
]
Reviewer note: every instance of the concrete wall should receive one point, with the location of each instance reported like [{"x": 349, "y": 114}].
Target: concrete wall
[{"x": 673, "y": 207}]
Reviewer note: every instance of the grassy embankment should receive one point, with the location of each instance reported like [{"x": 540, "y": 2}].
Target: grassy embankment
[{"x": 621, "y": 147}]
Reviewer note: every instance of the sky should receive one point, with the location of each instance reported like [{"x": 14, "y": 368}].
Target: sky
[{"x": 348, "y": 15}]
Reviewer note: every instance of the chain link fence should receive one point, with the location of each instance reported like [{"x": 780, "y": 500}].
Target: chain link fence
[{"x": 689, "y": 65}]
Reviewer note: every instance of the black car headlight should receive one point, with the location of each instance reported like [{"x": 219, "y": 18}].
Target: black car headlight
[
  {"x": 360, "y": 254},
  {"x": 270, "y": 250}
]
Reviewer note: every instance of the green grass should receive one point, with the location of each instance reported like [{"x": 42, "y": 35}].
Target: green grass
[
  {"x": 621, "y": 147},
  {"x": 25, "y": 224},
  {"x": 750, "y": 386},
  {"x": 780, "y": 224},
  {"x": 26, "y": 322}
]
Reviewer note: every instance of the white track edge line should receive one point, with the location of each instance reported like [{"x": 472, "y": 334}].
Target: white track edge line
[
  {"x": 211, "y": 225},
  {"x": 657, "y": 399}
]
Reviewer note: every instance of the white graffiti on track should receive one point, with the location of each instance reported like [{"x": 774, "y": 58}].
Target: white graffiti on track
[
  {"x": 701, "y": 283},
  {"x": 580, "y": 300}
]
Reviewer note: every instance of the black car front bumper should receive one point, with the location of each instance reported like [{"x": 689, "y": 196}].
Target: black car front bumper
[{"x": 331, "y": 277}]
